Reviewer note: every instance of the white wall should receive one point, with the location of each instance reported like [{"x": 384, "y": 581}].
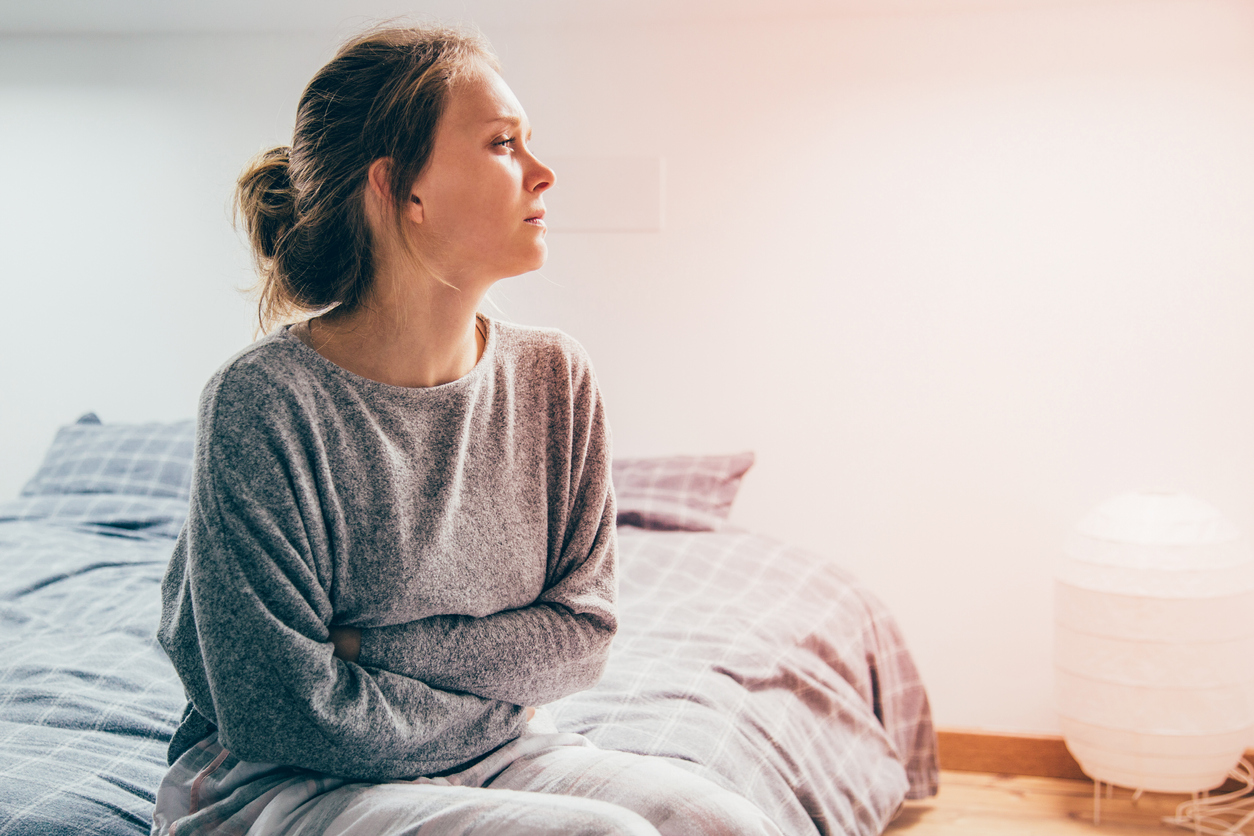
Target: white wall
[{"x": 956, "y": 277}]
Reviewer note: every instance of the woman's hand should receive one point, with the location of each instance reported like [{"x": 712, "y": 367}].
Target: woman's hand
[
  {"x": 347, "y": 641},
  {"x": 531, "y": 712}
]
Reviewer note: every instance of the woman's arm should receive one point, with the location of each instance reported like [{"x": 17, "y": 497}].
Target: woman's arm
[
  {"x": 347, "y": 641},
  {"x": 528, "y": 656},
  {"x": 558, "y": 644}
]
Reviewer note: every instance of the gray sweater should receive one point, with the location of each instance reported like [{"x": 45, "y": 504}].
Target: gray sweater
[{"x": 467, "y": 529}]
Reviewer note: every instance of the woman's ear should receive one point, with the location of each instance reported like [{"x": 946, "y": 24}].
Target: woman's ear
[
  {"x": 379, "y": 175},
  {"x": 379, "y": 190}
]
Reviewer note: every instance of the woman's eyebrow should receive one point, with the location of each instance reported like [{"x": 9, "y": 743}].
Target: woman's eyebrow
[{"x": 511, "y": 121}]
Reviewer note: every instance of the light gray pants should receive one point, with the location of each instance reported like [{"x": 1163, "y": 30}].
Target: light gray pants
[{"x": 544, "y": 783}]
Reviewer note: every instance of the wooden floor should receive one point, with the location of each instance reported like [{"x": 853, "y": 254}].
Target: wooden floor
[{"x": 979, "y": 804}]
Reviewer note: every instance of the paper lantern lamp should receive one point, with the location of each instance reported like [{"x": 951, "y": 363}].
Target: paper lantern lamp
[{"x": 1154, "y": 644}]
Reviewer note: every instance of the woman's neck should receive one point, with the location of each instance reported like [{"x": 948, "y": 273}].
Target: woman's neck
[{"x": 413, "y": 334}]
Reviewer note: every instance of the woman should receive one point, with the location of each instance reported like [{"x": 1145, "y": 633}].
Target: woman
[{"x": 401, "y": 536}]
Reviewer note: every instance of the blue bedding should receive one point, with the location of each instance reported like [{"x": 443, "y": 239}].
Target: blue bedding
[{"x": 88, "y": 700}]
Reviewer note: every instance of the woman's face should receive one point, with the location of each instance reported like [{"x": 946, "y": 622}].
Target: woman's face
[{"x": 478, "y": 203}]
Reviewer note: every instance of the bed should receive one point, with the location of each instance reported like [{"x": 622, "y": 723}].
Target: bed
[{"x": 759, "y": 665}]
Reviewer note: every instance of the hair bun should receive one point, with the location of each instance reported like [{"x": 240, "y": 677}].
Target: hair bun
[
  {"x": 381, "y": 96},
  {"x": 266, "y": 200}
]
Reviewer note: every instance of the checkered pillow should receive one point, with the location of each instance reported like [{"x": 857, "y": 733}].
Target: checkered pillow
[
  {"x": 678, "y": 493},
  {"x": 89, "y": 457}
]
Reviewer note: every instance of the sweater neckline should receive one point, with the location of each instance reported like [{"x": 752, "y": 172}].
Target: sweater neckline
[{"x": 470, "y": 378}]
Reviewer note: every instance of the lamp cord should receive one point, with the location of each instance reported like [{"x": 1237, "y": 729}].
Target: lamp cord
[{"x": 1213, "y": 815}]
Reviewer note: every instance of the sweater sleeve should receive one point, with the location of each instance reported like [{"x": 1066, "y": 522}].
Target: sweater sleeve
[
  {"x": 559, "y": 644},
  {"x": 245, "y": 622}
]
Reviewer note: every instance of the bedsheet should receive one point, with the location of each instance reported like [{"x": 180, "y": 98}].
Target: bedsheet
[
  {"x": 756, "y": 664},
  {"x": 769, "y": 669},
  {"x": 88, "y": 701}
]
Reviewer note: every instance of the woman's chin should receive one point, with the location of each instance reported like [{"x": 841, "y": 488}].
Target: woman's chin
[
  {"x": 523, "y": 268},
  {"x": 541, "y": 256}
]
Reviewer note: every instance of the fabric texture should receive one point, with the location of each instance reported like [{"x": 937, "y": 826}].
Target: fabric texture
[
  {"x": 88, "y": 702},
  {"x": 678, "y": 493},
  {"x": 88, "y": 457},
  {"x": 112, "y": 513},
  {"x": 466, "y": 529},
  {"x": 80, "y": 482},
  {"x": 542, "y": 783},
  {"x": 770, "y": 668}
]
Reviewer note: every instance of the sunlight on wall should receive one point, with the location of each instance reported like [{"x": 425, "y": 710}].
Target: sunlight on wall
[{"x": 954, "y": 277}]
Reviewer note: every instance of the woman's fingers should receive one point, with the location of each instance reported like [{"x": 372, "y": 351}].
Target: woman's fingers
[{"x": 347, "y": 641}]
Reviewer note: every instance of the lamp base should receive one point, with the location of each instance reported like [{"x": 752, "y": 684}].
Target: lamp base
[{"x": 1155, "y": 762}]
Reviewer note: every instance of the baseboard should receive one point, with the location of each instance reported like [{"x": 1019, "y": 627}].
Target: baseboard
[{"x": 1040, "y": 755}]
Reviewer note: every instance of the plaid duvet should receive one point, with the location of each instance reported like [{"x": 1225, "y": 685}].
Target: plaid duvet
[
  {"x": 752, "y": 663},
  {"x": 766, "y": 668},
  {"x": 88, "y": 701}
]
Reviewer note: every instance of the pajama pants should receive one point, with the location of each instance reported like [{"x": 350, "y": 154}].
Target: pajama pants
[{"x": 544, "y": 783}]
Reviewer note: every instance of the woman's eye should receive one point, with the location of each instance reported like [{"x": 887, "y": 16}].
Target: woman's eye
[{"x": 506, "y": 141}]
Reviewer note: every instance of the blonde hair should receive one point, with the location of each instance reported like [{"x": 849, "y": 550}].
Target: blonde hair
[{"x": 302, "y": 206}]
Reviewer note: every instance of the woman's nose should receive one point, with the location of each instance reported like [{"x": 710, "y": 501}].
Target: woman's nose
[{"x": 542, "y": 178}]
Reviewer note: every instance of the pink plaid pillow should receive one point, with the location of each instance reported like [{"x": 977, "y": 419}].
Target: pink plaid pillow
[{"x": 678, "y": 493}]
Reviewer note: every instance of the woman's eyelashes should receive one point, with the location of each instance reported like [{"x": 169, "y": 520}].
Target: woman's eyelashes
[{"x": 512, "y": 141}]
